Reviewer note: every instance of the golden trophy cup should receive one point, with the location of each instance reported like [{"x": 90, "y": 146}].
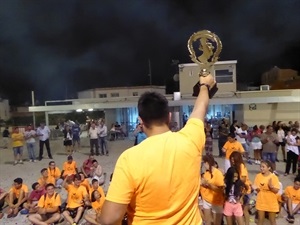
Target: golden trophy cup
[{"x": 205, "y": 48}]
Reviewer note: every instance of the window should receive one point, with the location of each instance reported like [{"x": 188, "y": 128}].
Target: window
[
  {"x": 224, "y": 76},
  {"x": 114, "y": 95},
  {"x": 102, "y": 95},
  {"x": 135, "y": 93}
]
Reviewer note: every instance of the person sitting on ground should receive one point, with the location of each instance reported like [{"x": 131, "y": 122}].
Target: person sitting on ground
[
  {"x": 84, "y": 182},
  {"x": 69, "y": 168},
  {"x": 3, "y": 195},
  {"x": 55, "y": 172},
  {"x": 291, "y": 199},
  {"x": 97, "y": 203},
  {"x": 87, "y": 166},
  {"x": 77, "y": 199},
  {"x": 48, "y": 208},
  {"x": 96, "y": 187},
  {"x": 31, "y": 205},
  {"x": 45, "y": 178},
  {"x": 18, "y": 195},
  {"x": 98, "y": 172}
]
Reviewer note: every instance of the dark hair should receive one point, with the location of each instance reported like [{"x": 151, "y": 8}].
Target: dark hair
[
  {"x": 18, "y": 180},
  {"x": 211, "y": 162},
  {"x": 232, "y": 135},
  {"x": 77, "y": 177},
  {"x": 51, "y": 162},
  {"x": 153, "y": 109},
  {"x": 49, "y": 185},
  {"x": 238, "y": 160},
  {"x": 43, "y": 170},
  {"x": 34, "y": 185},
  {"x": 255, "y": 128},
  {"x": 94, "y": 161},
  {"x": 94, "y": 180},
  {"x": 294, "y": 130},
  {"x": 93, "y": 199},
  {"x": 297, "y": 178},
  {"x": 238, "y": 185},
  {"x": 268, "y": 164}
]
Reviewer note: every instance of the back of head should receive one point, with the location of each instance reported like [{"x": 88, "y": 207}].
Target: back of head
[{"x": 153, "y": 109}]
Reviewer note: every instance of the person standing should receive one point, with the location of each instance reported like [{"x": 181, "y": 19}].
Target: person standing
[
  {"x": 76, "y": 130},
  {"x": 43, "y": 132},
  {"x": 93, "y": 134},
  {"x": 68, "y": 136},
  {"x": 281, "y": 141},
  {"x": 209, "y": 140},
  {"x": 161, "y": 170},
  {"x": 17, "y": 144},
  {"x": 102, "y": 138},
  {"x": 30, "y": 143},
  {"x": 223, "y": 134},
  {"x": 292, "y": 151},
  {"x": 5, "y": 135}
]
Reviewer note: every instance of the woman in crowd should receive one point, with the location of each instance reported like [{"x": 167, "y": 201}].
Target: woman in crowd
[
  {"x": 97, "y": 203},
  {"x": 256, "y": 144},
  {"x": 68, "y": 137}
]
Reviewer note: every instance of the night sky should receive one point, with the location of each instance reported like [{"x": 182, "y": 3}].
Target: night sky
[{"x": 57, "y": 48}]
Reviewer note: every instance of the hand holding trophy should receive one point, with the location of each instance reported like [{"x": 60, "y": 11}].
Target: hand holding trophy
[{"x": 209, "y": 45}]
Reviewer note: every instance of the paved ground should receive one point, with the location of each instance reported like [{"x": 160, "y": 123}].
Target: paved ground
[{"x": 30, "y": 171}]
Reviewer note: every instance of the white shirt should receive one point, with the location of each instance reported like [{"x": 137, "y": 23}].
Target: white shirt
[
  {"x": 238, "y": 138},
  {"x": 29, "y": 136},
  {"x": 43, "y": 133},
  {"x": 94, "y": 133},
  {"x": 292, "y": 140},
  {"x": 280, "y": 134},
  {"x": 103, "y": 131}
]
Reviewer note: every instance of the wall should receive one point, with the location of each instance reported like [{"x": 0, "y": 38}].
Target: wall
[
  {"x": 4, "y": 109},
  {"x": 85, "y": 94},
  {"x": 110, "y": 117},
  {"x": 189, "y": 76},
  {"x": 267, "y": 113}
]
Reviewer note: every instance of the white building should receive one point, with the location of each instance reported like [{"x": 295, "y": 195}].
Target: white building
[{"x": 4, "y": 109}]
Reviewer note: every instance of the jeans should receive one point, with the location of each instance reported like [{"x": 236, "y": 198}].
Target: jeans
[
  {"x": 31, "y": 150},
  {"x": 103, "y": 145},
  {"x": 269, "y": 155},
  {"x": 94, "y": 142}
]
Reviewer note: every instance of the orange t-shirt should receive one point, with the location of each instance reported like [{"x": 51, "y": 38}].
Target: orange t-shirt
[
  {"x": 99, "y": 189},
  {"x": 75, "y": 196},
  {"x": 85, "y": 183},
  {"x": 48, "y": 203},
  {"x": 55, "y": 173},
  {"x": 293, "y": 194},
  {"x": 97, "y": 205},
  {"x": 69, "y": 168},
  {"x": 16, "y": 192},
  {"x": 49, "y": 180},
  {"x": 159, "y": 178},
  {"x": 231, "y": 147},
  {"x": 217, "y": 179},
  {"x": 266, "y": 200},
  {"x": 244, "y": 173}
]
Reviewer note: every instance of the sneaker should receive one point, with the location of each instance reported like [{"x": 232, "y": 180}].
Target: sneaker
[
  {"x": 24, "y": 211},
  {"x": 249, "y": 162},
  {"x": 21, "y": 162},
  {"x": 290, "y": 219},
  {"x": 34, "y": 160},
  {"x": 15, "y": 163}
]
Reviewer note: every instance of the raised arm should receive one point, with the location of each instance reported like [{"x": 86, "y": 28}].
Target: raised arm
[{"x": 202, "y": 100}]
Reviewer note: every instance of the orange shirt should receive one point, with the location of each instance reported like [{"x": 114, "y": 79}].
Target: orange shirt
[
  {"x": 69, "y": 168},
  {"x": 217, "y": 179},
  {"x": 231, "y": 147},
  {"x": 44, "y": 181},
  {"x": 86, "y": 184},
  {"x": 16, "y": 192},
  {"x": 159, "y": 178},
  {"x": 244, "y": 173},
  {"x": 293, "y": 194},
  {"x": 75, "y": 196},
  {"x": 55, "y": 173},
  {"x": 99, "y": 189},
  {"x": 50, "y": 202},
  {"x": 266, "y": 200},
  {"x": 97, "y": 205}
]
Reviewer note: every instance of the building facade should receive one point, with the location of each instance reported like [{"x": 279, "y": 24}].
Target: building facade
[{"x": 4, "y": 109}]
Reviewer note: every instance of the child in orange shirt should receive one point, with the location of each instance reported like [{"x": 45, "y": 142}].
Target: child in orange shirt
[
  {"x": 69, "y": 168},
  {"x": 212, "y": 187},
  {"x": 266, "y": 184},
  {"x": 292, "y": 199}
]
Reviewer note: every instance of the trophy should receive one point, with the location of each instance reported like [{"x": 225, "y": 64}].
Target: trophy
[{"x": 205, "y": 48}]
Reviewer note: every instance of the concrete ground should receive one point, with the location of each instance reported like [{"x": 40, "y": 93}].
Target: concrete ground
[{"x": 30, "y": 172}]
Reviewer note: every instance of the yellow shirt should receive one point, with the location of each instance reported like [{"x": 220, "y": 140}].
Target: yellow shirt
[
  {"x": 75, "y": 196},
  {"x": 97, "y": 205},
  {"x": 55, "y": 173},
  {"x": 44, "y": 181},
  {"x": 244, "y": 173},
  {"x": 231, "y": 147},
  {"x": 266, "y": 200},
  {"x": 99, "y": 189},
  {"x": 48, "y": 203},
  {"x": 210, "y": 196},
  {"x": 86, "y": 184},
  {"x": 16, "y": 192},
  {"x": 69, "y": 168},
  {"x": 293, "y": 194},
  {"x": 159, "y": 178},
  {"x": 17, "y": 139}
]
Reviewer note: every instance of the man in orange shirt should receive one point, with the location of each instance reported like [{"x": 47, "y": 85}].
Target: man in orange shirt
[
  {"x": 77, "y": 199},
  {"x": 45, "y": 178},
  {"x": 158, "y": 180},
  {"x": 54, "y": 172},
  {"x": 231, "y": 146},
  {"x": 69, "y": 168},
  {"x": 17, "y": 144},
  {"x": 48, "y": 211},
  {"x": 292, "y": 199},
  {"x": 17, "y": 196}
]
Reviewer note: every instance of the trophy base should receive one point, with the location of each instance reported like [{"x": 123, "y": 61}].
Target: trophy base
[{"x": 211, "y": 92}]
